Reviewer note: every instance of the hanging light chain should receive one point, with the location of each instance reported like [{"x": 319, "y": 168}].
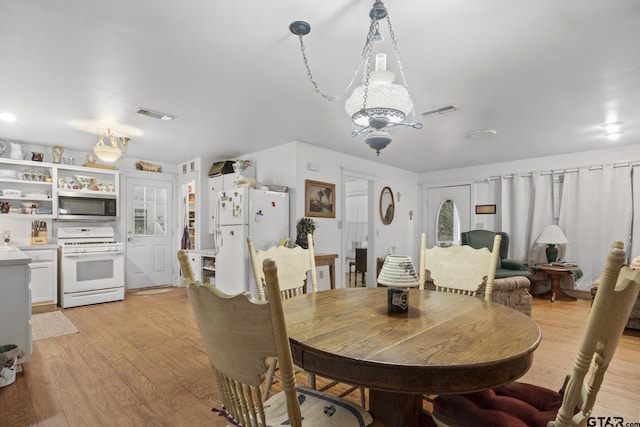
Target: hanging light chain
[
  {"x": 400, "y": 66},
  {"x": 365, "y": 60},
  {"x": 373, "y": 28}
]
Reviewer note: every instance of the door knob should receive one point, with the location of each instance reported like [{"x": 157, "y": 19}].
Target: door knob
[{"x": 130, "y": 239}]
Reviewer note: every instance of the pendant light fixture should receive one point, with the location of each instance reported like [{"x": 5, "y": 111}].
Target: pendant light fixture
[
  {"x": 379, "y": 104},
  {"x": 113, "y": 151}
]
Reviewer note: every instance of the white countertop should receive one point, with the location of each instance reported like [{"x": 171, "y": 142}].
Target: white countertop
[
  {"x": 36, "y": 247},
  {"x": 11, "y": 255}
]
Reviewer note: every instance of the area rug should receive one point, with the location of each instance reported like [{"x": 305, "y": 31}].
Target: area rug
[
  {"x": 52, "y": 324},
  {"x": 152, "y": 291}
]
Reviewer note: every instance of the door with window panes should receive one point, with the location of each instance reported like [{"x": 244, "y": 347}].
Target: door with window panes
[{"x": 149, "y": 239}]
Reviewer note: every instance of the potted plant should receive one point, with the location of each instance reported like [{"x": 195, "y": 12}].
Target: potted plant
[{"x": 305, "y": 226}]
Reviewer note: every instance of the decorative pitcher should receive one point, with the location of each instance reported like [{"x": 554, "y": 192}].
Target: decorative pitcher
[{"x": 17, "y": 152}]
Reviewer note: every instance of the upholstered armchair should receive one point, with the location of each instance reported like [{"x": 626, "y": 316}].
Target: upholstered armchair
[
  {"x": 512, "y": 292},
  {"x": 506, "y": 267},
  {"x": 634, "y": 317}
]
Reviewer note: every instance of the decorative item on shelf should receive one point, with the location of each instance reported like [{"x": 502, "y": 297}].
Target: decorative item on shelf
[
  {"x": 398, "y": 274},
  {"x": 378, "y": 104},
  {"x": 141, "y": 165},
  {"x": 304, "y": 227},
  {"x": 551, "y": 236},
  {"x": 239, "y": 166},
  {"x": 56, "y": 152},
  {"x": 91, "y": 158},
  {"x": 17, "y": 152},
  {"x": 3, "y": 147},
  {"x": 4, "y": 207},
  {"x": 37, "y": 156},
  {"x": 86, "y": 182},
  {"x": 114, "y": 151}
]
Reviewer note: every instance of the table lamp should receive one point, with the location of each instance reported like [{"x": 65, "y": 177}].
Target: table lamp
[
  {"x": 398, "y": 274},
  {"x": 552, "y": 236}
]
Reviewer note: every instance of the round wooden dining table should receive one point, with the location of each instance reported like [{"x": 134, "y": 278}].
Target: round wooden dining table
[{"x": 445, "y": 343}]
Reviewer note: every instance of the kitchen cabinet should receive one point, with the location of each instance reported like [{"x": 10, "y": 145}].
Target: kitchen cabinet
[
  {"x": 196, "y": 264},
  {"x": 27, "y": 187},
  {"x": 203, "y": 264},
  {"x": 44, "y": 276},
  {"x": 33, "y": 187},
  {"x": 15, "y": 300},
  {"x": 192, "y": 213}
]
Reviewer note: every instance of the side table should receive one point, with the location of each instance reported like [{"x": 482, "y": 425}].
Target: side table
[{"x": 554, "y": 273}]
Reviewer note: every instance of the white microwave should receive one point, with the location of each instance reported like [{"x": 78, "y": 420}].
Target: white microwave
[{"x": 80, "y": 207}]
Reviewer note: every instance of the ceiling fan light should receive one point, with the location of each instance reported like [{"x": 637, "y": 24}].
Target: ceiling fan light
[
  {"x": 107, "y": 153},
  {"x": 112, "y": 152}
]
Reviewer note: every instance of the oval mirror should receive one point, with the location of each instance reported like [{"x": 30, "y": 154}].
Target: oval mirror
[
  {"x": 447, "y": 224},
  {"x": 387, "y": 206}
]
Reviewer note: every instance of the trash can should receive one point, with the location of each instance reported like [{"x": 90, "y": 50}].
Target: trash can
[{"x": 8, "y": 357}]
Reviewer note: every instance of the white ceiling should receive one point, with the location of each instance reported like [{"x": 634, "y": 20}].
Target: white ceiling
[{"x": 544, "y": 74}]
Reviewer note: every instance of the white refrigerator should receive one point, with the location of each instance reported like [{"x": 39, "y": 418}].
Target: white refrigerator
[{"x": 246, "y": 212}]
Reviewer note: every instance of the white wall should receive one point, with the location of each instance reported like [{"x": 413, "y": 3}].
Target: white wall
[{"x": 288, "y": 164}]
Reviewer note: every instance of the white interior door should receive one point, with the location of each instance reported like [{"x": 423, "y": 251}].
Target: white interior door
[
  {"x": 149, "y": 215},
  {"x": 461, "y": 196}
]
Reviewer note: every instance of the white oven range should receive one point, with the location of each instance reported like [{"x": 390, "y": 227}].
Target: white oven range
[{"x": 91, "y": 266}]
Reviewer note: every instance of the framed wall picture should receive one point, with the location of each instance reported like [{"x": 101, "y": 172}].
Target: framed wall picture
[
  {"x": 320, "y": 199},
  {"x": 485, "y": 209}
]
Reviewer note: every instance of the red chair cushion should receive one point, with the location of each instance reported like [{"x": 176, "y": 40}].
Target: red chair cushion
[{"x": 512, "y": 405}]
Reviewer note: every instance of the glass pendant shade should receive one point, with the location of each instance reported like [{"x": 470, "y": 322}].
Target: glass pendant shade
[
  {"x": 384, "y": 99},
  {"x": 111, "y": 152},
  {"x": 107, "y": 153}
]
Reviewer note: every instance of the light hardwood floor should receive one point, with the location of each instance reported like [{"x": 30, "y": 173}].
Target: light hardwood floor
[{"x": 140, "y": 362}]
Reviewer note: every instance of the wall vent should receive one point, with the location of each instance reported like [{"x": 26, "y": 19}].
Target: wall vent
[{"x": 155, "y": 114}]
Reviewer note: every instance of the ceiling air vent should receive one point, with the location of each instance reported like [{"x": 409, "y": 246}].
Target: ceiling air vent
[
  {"x": 155, "y": 114},
  {"x": 441, "y": 110}
]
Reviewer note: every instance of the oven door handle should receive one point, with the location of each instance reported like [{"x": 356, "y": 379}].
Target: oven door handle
[{"x": 94, "y": 255}]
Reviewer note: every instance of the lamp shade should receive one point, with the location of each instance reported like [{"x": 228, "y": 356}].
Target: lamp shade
[
  {"x": 552, "y": 235},
  {"x": 398, "y": 272}
]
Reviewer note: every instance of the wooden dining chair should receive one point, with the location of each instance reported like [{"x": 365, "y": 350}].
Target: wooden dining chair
[
  {"x": 240, "y": 334},
  {"x": 459, "y": 269},
  {"x": 361, "y": 264},
  {"x": 185, "y": 265},
  {"x": 520, "y": 404},
  {"x": 294, "y": 264}
]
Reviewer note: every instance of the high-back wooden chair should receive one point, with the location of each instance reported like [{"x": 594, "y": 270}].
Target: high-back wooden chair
[
  {"x": 459, "y": 269},
  {"x": 294, "y": 264},
  {"x": 240, "y": 334},
  {"x": 525, "y": 404},
  {"x": 185, "y": 265}
]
